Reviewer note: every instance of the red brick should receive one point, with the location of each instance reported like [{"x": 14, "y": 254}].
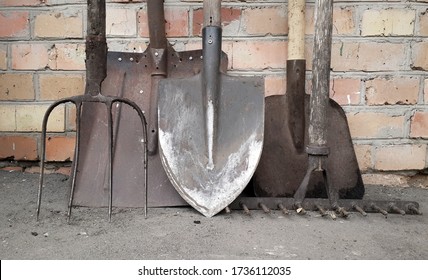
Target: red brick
[
  {"x": 14, "y": 24},
  {"x": 419, "y": 125},
  {"x": 176, "y": 22},
  {"x": 423, "y": 23},
  {"x": 275, "y": 85},
  {"x": 420, "y": 56},
  {"x": 400, "y": 157},
  {"x": 53, "y": 87},
  {"x": 259, "y": 54},
  {"x": 426, "y": 91},
  {"x": 7, "y": 117},
  {"x": 394, "y": 90},
  {"x": 67, "y": 57},
  {"x": 16, "y": 86},
  {"x": 18, "y": 148},
  {"x": 30, "y": 117},
  {"x": 265, "y": 20},
  {"x": 30, "y": 56},
  {"x": 59, "y": 24},
  {"x": 60, "y": 148},
  {"x": 121, "y": 22},
  {"x": 12, "y": 168},
  {"x": 368, "y": 56},
  {"x": 230, "y": 16},
  {"x": 364, "y": 156},
  {"x": 70, "y": 124},
  {"x": 388, "y": 22},
  {"x": 19, "y": 3},
  {"x": 343, "y": 20},
  {"x": 370, "y": 125},
  {"x": 345, "y": 91},
  {"x": 3, "y": 57}
]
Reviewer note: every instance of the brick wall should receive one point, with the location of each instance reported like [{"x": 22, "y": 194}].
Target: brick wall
[{"x": 379, "y": 63}]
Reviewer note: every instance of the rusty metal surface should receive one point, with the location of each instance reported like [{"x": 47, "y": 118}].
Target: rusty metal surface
[
  {"x": 282, "y": 166},
  {"x": 128, "y": 75},
  {"x": 321, "y": 205}
]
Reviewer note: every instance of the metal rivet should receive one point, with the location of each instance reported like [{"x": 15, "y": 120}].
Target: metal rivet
[
  {"x": 141, "y": 91},
  {"x": 202, "y": 57},
  {"x": 120, "y": 59},
  {"x": 210, "y": 41},
  {"x": 190, "y": 57},
  {"x": 131, "y": 59},
  {"x": 156, "y": 54}
]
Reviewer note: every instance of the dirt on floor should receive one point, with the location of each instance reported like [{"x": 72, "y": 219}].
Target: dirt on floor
[{"x": 182, "y": 233}]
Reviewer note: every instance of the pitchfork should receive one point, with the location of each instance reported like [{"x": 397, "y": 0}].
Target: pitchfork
[{"x": 96, "y": 65}]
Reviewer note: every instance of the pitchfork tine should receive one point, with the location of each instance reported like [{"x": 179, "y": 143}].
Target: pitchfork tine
[{"x": 78, "y": 101}]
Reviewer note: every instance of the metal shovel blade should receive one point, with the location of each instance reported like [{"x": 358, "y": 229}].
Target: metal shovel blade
[{"x": 236, "y": 145}]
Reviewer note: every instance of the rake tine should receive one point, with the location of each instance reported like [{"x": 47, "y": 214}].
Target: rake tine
[
  {"x": 360, "y": 210},
  {"x": 246, "y": 210},
  {"x": 322, "y": 211},
  {"x": 413, "y": 209},
  {"x": 395, "y": 209},
  {"x": 343, "y": 212},
  {"x": 299, "y": 209},
  {"x": 283, "y": 209},
  {"x": 375, "y": 207},
  {"x": 76, "y": 159},
  {"x": 265, "y": 208}
]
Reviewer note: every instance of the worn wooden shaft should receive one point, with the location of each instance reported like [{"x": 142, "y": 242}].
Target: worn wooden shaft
[
  {"x": 212, "y": 13},
  {"x": 321, "y": 73},
  {"x": 96, "y": 46},
  {"x": 296, "y": 29}
]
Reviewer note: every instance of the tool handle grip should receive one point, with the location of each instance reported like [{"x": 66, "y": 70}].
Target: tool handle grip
[
  {"x": 96, "y": 46},
  {"x": 212, "y": 13},
  {"x": 321, "y": 73},
  {"x": 296, "y": 29},
  {"x": 156, "y": 20}
]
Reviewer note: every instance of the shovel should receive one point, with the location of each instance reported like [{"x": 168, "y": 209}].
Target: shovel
[
  {"x": 211, "y": 127},
  {"x": 284, "y": 162},
  {"x": 135, "y": 76}
]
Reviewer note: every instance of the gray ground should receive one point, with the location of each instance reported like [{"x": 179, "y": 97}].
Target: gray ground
[{"x": 182, "y": 233}]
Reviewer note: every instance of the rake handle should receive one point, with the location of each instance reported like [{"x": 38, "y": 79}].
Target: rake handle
[{"x": 321, "y": 73}]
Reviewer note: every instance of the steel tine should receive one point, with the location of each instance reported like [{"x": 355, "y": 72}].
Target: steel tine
[
  {"x": 394, "y": 208},
  {"x": 110, "y": 157},
  {"x": 299, "y": 209},
  {"x": 76, "y": 159},
  {"x": 359, "y": 209},
  {"x": 246, "y": 210},
  {"x": 342, "y": 212},
  {"x": 264, "y": 207},
  {"x": 414, "y": 209},
  {"x": 322, "y": 211},
  {"x": 377, "y": 208},
  {"x": 43, "y": 151},
  {"x": 145, "y": 140},
  {"x": 283, "y": 209}
]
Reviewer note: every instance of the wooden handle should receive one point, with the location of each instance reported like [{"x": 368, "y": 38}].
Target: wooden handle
[
  {"x": 296, "y": 29},
  {"x": 212, "y": 16}
]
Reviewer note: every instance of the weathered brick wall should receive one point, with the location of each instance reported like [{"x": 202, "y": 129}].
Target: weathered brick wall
[{"x": 379, "y": 63}]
